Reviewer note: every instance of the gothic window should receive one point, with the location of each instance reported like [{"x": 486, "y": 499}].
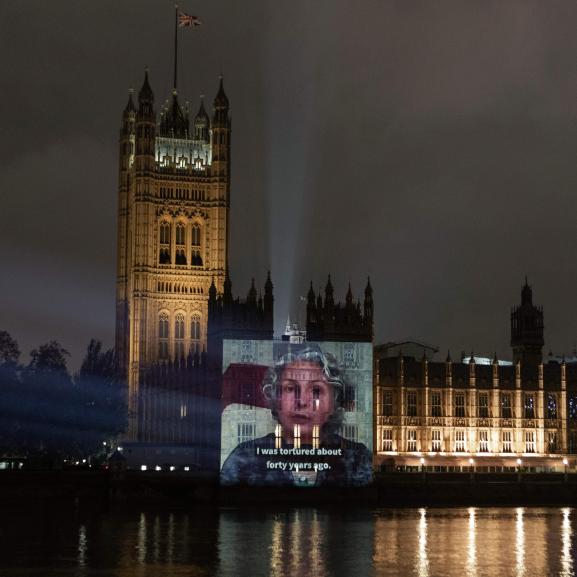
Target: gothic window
[
  {"x": 436, "y": 441},
  {"x": 164, "y": 249},
  {"x": 551, "y": 406},
  {"x": 411, "y": 404},
  {"x": 436, "y": 404},
  {"x": 179, "y": 336},
  {"x": 195, "y": 238},
  {"x": 529, "y": 406},
  {"x": 163, "y": 336},
  {"x": 460, "y": 441},
  {"x": 483, "y": 405},
  {"x": 459, "y": 405},
  {"x": 195, "y": 334},
  {"x": 387, "y": 408},
  {"x": 316, "y": 436},
  {"x": 278, "y": 436},
  {"x": 507, "y": 442},
  {"x": 180, "y": 244},
  {"x": 506, "y": 406},
  {"x": 572, "y": 402},
  {"x": 245, "y": 432},
  {"x": 297, "y": 436},
  {"x": 411, "y": 440},
  {"x": 529, "y": 441},
  {"x": 483, "y": 441},
  {"x": 196, "y": 258},
  {"x": 387, "y": 440}
]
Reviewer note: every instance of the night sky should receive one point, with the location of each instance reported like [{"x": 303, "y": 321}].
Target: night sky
[{"x": 431, "y": 145}]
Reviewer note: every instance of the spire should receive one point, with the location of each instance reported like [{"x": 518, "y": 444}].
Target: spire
[
  {"x": 145, "y": 95},
  {"x": 311, "y": 296},
  {"x": 227, "y": 290},
  {"x": 251, "y": 298},
  {"x": 221, "y": 99},
  {"x": 287, "y": 329},
  {"x": 448, "y": 359},
  {"x": 201, "y": 123},
  {"x": 212, "y": 291},
  {"x": 268, "y": 284},
  {"x": 130, "y": 104},
  {"x": 174, "y": 123},
  {"x": 349, "y": 297},
  {"x": 495, "y": 359}
]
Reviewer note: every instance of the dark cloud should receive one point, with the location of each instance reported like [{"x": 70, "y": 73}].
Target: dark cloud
[{"x": 429, "y": 144}]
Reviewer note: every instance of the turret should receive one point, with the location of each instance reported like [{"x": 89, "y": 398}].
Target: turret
[
  {"x": 202, "y": 124},
  {"x": 527, "y": 329},
  {"x": 368, "y": 304},
  {"x": 174, "y": 120},
  {"x": 145, "y": 128},
  {"x": 221, "y": 134}
]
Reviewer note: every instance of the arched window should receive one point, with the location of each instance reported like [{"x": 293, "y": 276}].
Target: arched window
[
  {"x": 195, "y": 334},
  {"x": 180, "y": 244},
  {"x": 179, "y": 335},
  {"x": 163, "y": 332},
  {"x": 164, "y": 249},
  {"x": 195, "y": 235},
  {"x": 196, "y": 258}
]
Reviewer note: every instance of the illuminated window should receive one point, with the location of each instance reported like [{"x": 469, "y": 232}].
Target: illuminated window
[
  {"x": 163, "y": 332},
  {"x": 483, "y": 405},
  {"x": 507, "y": 442},
  {"x": 195, "y": 334},
  {"x": 180, "y": 244},
  {"x": 315, "y": 436},
  {"x": 506, "y": 406},
  {"x": 278, "y": 436},
  {"x": 183, "y": 411},
  {"x": 164, "y": 249},
  {"x": 195, "y": 236},
  {"x": 412, "y": 404},
  {"x": 459, "y": 405},
  {"x": 529, "y": 406},
  {"x": 436, "y": 440},
  {"x": 460, "y": 441},
  {"x": 179, "y": 336},
  {"x": 529, "y": 442},
  {"x": 297, "y": 437},
  {"x": 552, "y": 442},
  {"x": 483, "y": 441},
  {"x": 551, "y": 406},
  {"x": 572, "y": 406},
  {"x": 387, "y": 404},
  {"x": 436, "y": 404},
  {"x": 411, "y": 440},
  {"x": 245, "y": 432},
  {"x": 387, "y": 440},
  {"x": 316, "y": 398},
  {"x": 295, "y": 390}
]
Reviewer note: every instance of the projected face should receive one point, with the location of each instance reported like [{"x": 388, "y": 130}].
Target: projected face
[{"x": 306, "y": 399}]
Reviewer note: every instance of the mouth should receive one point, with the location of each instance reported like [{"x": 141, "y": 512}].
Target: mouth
[{"x": 300, "y": 419}]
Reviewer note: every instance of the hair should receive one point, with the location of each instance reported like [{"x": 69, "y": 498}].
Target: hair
[{"x": 271, "y": 384}]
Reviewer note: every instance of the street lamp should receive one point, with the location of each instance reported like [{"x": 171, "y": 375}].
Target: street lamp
[{"x": 566, "y": 463}]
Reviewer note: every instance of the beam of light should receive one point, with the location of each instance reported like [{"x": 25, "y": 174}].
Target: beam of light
[
  {"x": 520, "y": 543},
  {"x": 566, "y": 534},
  {"x": 296, "y": 537},
  {"x": 423, "y": 559}
]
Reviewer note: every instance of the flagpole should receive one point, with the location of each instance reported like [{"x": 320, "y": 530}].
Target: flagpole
[{"x": 175, "y": 42}]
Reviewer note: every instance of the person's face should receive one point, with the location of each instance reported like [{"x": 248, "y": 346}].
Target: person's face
[{"x": 306, "y": 399}]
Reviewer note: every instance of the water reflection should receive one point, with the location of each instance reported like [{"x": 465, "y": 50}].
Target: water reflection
[{"x": 476, "y": 542}]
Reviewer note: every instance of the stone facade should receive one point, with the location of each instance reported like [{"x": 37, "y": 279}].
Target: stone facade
[{"x": 173, "y": 223}]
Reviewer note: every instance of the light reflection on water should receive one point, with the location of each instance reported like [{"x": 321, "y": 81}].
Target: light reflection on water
[{"x": 473, "y": 542}]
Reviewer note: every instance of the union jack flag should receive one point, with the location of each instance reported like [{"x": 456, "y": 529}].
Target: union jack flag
[{"x": 185, "y": 20}]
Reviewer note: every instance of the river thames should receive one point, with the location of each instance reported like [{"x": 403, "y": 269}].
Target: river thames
[{"x": 473, "y": 542}]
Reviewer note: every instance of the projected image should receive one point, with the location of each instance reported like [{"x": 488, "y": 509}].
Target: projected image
[{"x": 296, "y": 414}]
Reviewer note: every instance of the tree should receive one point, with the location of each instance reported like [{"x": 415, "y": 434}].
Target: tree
[
  {"x": 49, "y": 358},
  {"x": 9, "y": 350}
]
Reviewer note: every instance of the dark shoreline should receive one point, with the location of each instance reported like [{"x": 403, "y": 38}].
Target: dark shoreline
[{"x": 388, "y": 490}]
